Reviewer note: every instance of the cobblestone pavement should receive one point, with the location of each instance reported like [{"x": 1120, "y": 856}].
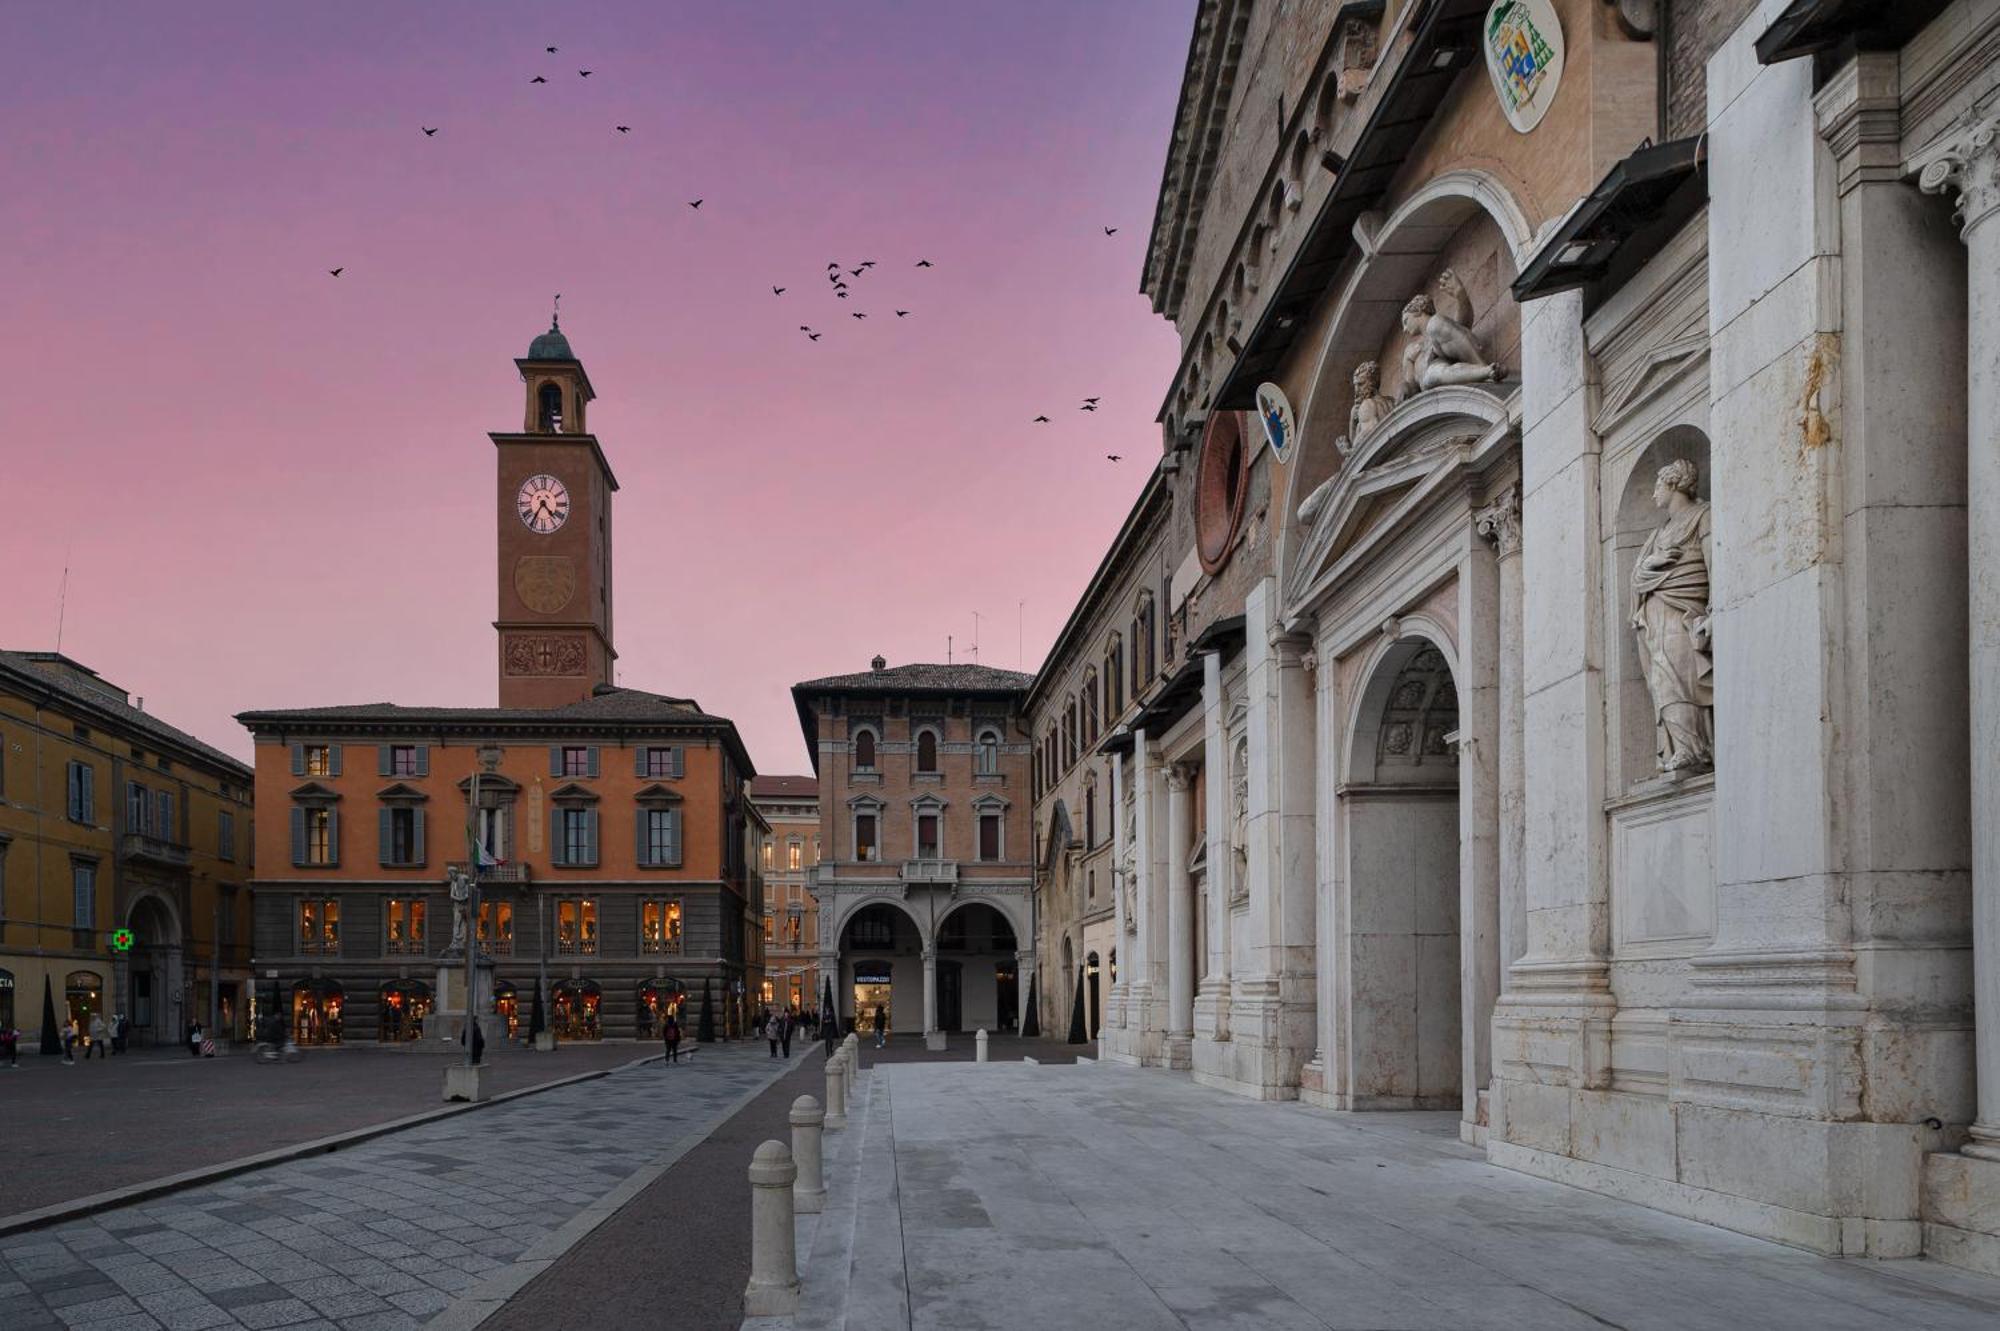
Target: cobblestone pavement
[
  {"x": 380, "y": 1236},
  {"x": 108, "y": 1123}
]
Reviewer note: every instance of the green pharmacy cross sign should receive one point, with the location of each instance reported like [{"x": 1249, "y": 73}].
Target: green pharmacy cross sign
[{"x": 121, "y": 940}]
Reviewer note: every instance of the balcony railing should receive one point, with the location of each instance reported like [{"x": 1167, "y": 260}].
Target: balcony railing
[
  {"x": 155, "y": 850},
  {"x": 496, "y": 873},
  {"x": 930, "y": 871}
]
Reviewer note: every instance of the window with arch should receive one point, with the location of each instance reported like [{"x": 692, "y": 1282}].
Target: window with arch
[
  {"x": 1145, "y": 644},
  {"x": 1069, "y": 733},
  {"x": 864, "y": 750},
  {"x": 867, "y": 831},
  {"x": 1114, "y": 679},
  {"x": 927, "y": 750},
  {"x": 986, "y": 753},
  {"x": 548, "y": 410},
  {"x": 1089, "y": 707},
  {"x": 1090, "y": 817}
]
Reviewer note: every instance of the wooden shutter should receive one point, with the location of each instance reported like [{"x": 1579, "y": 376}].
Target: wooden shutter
[
  {"x": 417, "y": 837},
  {"x": 555, "y": 760},
  {"x": 384, "y": 759},
  {"x": 590, "y": 832},
  {"x": 298, "y": 760},
  {"x": 556, "y": 852},
  {"x": 680, "y": 762},
  {"x": 674, "y": 837},
  {"x": 165, "y": 830},
  {"x": 639, "y": 765},
  {"x": 89, "y": 775},
  {"x": 298, "y": 836},
  {"x": 423, "y": 767},
  {"x": 136, "y": 811},
  {"x": 645, "y": 842},
  {"x": 333, "y": 836},
  {"x": 385, "y": 821},
  {"x": 335, "y": 755},
  {"x": 590, "y": 757}
]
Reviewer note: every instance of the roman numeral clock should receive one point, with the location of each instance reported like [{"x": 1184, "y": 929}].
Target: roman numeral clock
[{"x": 543, "y": 503}]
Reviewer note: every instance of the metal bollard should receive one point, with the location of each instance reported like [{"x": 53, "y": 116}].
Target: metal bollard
[
  {"x": 773, "y": 1290},
  {"x": 808, "y": 1121},
  {"x": 836, "y": 1095},
  {"x": 979, "y": 1046}
]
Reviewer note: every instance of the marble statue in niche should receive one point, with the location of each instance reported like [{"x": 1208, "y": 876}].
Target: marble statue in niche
[
  {"x": 1442, "y": 349},
  {"x": 1670, "y": 614},
  {"x": 1239, "y": 822},
  {"x": 1368, "y": 410}
]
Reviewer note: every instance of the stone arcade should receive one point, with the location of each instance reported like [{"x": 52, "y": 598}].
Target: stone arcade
[{"x": 1581, "y": 723}]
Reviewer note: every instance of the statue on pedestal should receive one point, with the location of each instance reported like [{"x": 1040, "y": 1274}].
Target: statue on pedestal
[
  {"x": 1442, "y": 350},
  {"x": 1670, "y": 613}
]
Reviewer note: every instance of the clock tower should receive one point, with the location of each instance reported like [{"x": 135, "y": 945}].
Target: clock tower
[{"x": 555, "y": 488}]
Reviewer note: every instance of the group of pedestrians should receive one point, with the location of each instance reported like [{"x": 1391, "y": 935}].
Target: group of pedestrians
[
  {"x": 99, "y": 1037},
  {"x": 778, "y": 1025}
]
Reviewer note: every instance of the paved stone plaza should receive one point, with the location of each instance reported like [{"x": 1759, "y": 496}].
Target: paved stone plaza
[
  {"x": 1015, "y": 1196},
  {"x": 386, "y": 1234}
]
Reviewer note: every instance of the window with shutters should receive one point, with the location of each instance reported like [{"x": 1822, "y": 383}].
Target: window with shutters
[
  {"x": 496, "y": 927},
  {"x": 319, "y": 845},
  {"x": 660, "y": 927},
  {"x": 986, "y": 753},
  {"x": 319, "y": 760},
  {"x": 661, "y": 762},
  {"x": 403, "y": 761},
  {"x": 491, "y": 822},
  {"x": 927, "y": 751},
  {"x": 864, "y": 750},
  {"x": 164, "y": 826},
  {"x": 319, "y": 926},
  {"x": 82, "y": 793},
  {"x": 794, "y": 854},
  {"x": 660, "y": 838},
  {"x": 866, "y": 849},
  {"x": 138, "y": 808},
  {"x": 402, "y": 836},
  {"x": 576, "y": 927},
  {"x": 929, "y": 835},
  {"x": 989, "y": 836},
  {"x": 576, "y": 837},
  {"x": 576, "y": 761},
  {"x": 83, "y": 893},
  {"x": 405, "y": 926},
  {"x": 225, "y": 835}
]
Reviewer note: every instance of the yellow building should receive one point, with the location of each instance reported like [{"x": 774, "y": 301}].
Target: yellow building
[{"x": 112, "y": 820}]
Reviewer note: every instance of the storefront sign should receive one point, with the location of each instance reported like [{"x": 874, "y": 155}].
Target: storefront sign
[
  {"x": 1274, "y": 409},
  {"x": 1524, "y": 54}
]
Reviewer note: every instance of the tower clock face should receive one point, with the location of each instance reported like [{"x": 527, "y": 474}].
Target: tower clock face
[{"x": 543, "y": 503}]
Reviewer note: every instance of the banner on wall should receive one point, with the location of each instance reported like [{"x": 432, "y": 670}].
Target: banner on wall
[{"x": 1524, "y": 55}]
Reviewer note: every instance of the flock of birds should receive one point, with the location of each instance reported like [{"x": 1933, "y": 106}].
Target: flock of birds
[{"x": 837, "y": 275}]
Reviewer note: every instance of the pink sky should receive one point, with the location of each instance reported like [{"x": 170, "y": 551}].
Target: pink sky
[{"x": 274, "y": 488}]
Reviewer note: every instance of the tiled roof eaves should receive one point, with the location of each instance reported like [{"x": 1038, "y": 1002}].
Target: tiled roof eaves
[{"x": 15, "y": 669}]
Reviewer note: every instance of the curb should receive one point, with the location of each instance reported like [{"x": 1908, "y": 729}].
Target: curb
[
  {"x": 194, "y": 1178},
  {"x": 490, "y": 1295}
]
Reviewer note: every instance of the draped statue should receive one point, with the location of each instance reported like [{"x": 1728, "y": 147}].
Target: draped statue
[{"x": 1670, "y": 613}]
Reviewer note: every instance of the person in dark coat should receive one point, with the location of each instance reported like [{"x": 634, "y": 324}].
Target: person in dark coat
[{"x": 670, "y": 1036}]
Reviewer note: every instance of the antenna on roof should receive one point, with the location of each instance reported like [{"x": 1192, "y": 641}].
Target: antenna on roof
[
  {"x": 947, "y": 649},
  {"x": 1020, "y": 635},
  {"x": 975, "y": 636},
  {"x": 62, "y": 600}
]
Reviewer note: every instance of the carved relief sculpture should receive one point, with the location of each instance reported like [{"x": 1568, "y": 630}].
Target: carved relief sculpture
[
  {"x": 1442, "y": 349},
  {"x": 1670, "y": 613},
  {"x": 1368, "y": 410}
]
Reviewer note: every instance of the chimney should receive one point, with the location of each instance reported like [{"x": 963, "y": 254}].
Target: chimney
[
  {"x": 879, "y": 663},
  {"x": 139, "y": 703}
]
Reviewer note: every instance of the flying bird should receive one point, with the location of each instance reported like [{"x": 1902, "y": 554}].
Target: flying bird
[
  {"x": 427, "y": 132},
  {"x": 538, "y": 79},
  {"x": 1111, "y": 231},
  {"x": 1114, "y": 457},
  {"x": 1041, "y": 420},
  {"x": 901, "y": 313},
  {"x": 833, "y": 265},
  {"x": 695, "y": 204},
  {"x": 1091, "y": 400},
  {"x": 854, "y": 272},
  {"x": 925, "y": 263},
  {"x": 859, "y": 315},
  {"x": 623, "y": 129},
  {"x": 867, "y": 263},
  {"x": 812, "y": 337},
  {"x": 550, "y": 49},
  {"x": 583, "y": 73},
  {"x": 777, "y": 291},
  {"x": 1087, "y": 407},
  {"x": 338, "y": 271}
]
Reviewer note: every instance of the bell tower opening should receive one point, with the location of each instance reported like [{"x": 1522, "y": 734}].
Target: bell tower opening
[{"x": 549, "y": 416}]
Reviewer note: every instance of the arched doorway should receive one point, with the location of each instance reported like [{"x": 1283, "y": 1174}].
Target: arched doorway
[
  {"x": 1400, "y": 813},
  {"x": 83, "y": 998},
  {"x": 405, "y": 1004},
  {"x": 975, "y": 945},
  {"x": 881, "y": 954},
  {"x": 316, "y": 1009},
  {"x": 154, "y": 962},
  {"x": 577, "y": 1003}
]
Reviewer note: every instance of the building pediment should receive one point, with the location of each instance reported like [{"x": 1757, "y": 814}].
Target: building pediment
[
  {"x": 489, "y": 783},
  {"x": 399, "y": 793},
  {"x": 571, "y": 793},
  {"x": 658, "y": 794},
  {"x": 312, "y": 792}
]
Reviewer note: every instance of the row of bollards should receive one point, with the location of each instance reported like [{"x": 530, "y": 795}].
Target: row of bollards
[{"x": 789, "y": 1182}]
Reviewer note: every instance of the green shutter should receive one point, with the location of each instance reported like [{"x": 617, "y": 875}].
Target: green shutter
[
  {"x": 335, "y": 758},
  {"x": 680, "y": 761},
  {"x": 383, "y": 759},
  {"x": 590, "y": 755},
  {"x": 644, "y": 858},
  {"x": 639, "y": 760},
  {"x": 298, "y": 837},
  {"x": 590, "y": 832},
  {"x": 333, "y": 837},
  {"x": 385, "y": 821},
  {"x": 555, "y": 760},
  {"x": 674, "y": 837},
  {"x": 417, "y": 837},
  {"x": 423, "y": 763},
  {"x": 298, "y": 760}
]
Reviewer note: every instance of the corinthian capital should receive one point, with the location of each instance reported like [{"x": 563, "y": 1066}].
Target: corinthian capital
[
  {"x": 1179, "y": 776},
  {"x": 1500, "y": 522},
  {"x": 1966, "y": 161}
]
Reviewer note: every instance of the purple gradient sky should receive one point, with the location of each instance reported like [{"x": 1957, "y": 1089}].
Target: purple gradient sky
[{"x": 274, "y": 488}]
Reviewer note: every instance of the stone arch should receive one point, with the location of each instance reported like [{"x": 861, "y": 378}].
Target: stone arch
[
  {"x": 1396, "y": 254},
  {"x": 148, "y": 909},
  {"x": 850, "y": 907}
]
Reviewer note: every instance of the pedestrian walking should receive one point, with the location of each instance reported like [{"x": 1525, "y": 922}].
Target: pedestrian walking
[
  {"x": 10, "y": 1045},
  {"x": 194, "y": 1040},
  {"x": 69, "y": 1042},
  {"x": 881, "y": 1025},
  {"x": 100, "y": 1037},
  {"x": 771, "y": 1032},
  {"x": 670, "y": 1035},
  {"x": 121, "y": 1032}
]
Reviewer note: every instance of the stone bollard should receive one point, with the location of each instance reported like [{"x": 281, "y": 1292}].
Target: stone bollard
[
  {"x": 773, "y": 1290},
  {"x": 808, "y": 1120},
  {"x": 836, "y": 1095},
  {"x": 979, "y": 1046}
]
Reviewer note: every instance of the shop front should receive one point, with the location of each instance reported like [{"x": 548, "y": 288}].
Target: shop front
[{"x": 316, "y": 1011}]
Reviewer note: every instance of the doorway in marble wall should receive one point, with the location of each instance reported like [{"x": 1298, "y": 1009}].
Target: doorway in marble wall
[{"x": 1400, "y": 813}]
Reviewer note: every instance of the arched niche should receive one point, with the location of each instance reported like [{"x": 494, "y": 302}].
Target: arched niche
[
  {"x": 1632, "y": 521},
  {"x": 1465, "y": 220}
]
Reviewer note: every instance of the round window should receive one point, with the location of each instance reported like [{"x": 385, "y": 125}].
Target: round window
[{"x": 1221, "y": 481}]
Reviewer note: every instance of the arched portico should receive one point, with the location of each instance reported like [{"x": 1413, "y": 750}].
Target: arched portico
[{"x": 152, "y": 971}]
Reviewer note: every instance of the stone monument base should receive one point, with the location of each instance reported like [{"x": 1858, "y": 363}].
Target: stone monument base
[
  {"x": 464, "y": 1081},
  {"x": 1962, "y": 1211},
  {"x": 934, "y": 1041}
]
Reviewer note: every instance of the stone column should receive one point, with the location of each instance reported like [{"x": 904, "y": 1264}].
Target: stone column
[
  {"x": 1114, "y": 1002},
  {"x": 1024, "y": 983},
  {"x": 1211, "y": 1020},
  {"x": 1968, "y": 166},
  {"x": 1478, "y": 827},
  {"x": 1180, "y": 919},
  {"x": 930, "y": 995},
  {"x": 1500, "y": 523},
  {"x": 1315, "y": 1079}
]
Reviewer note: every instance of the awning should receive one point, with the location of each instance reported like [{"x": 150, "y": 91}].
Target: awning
[
  {"x": 1636, "y": 208},
  {"x": 1812, "y": 27}
]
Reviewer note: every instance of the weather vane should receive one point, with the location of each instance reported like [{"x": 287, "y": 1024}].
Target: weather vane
[{"x": 555, "y": 315}]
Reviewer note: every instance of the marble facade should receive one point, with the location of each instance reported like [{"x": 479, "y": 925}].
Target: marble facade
[{"x": 1742, "y": 964}]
